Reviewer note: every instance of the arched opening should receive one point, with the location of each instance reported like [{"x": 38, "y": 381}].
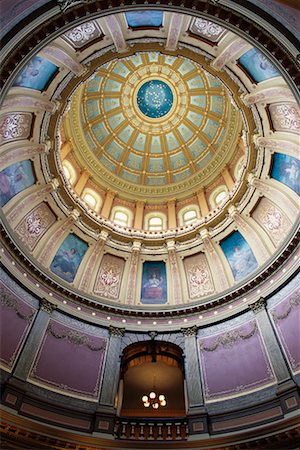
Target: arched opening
[{"x": 147, "y": 367}]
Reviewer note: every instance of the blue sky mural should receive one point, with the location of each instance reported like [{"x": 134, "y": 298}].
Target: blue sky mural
[
  {"x": 258, "y": 66},
  {"x": 36, "y": 74},
  {"x": 154, "y": 283},
  {"x": 15, "y": 179},
  {"x": 239, "y": 255},
  {"x": 286, "y": 169},
  {"x": 136, "y": 19},
  {"x": 68, "y": 257}
]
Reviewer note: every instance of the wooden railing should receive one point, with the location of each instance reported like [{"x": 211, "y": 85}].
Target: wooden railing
[{"x": 155, "y": 430}]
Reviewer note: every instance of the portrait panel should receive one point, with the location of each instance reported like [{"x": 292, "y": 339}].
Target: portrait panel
[
  {"x": 68, "y": 257},
  {"x": 286, "y": 169},
  {"x": 239, "y": 255},
  {"x": 36, "y": 74},
  {"x": 15, "y": 179},
  {"x": 137, "y": 19},
  {"x": 154, "y": 283},
  {"x": 257, "y": 65}
]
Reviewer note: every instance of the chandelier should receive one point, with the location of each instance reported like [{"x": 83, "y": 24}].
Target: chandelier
[{"x": 154, "y": 400}]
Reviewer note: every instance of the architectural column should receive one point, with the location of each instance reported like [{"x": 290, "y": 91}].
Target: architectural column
[
  {"x": 92, "y": 266},
  {"x": 139, "y": 215},
  {"x": 175, "y": 277},
  {"x": 116, "y": 33},
  {"x": 204, "y": 209},
  {"x": 232, "y": 51},
  {"x": 228, "y": 178},
  {"x": 131, "y": 286},
  {"x": 275, "y": 353},
  {"x": 23, "y": 366},
  {"x": 276, "y": 196},
  {"x": 175, "y": 28},
  {"x": 107, "y": 205},
  {"x": 66, "y": 148},
  {"x": 80, "y": 185},
  {"x": 112, "y": 369},
  {"x": 251, "y": 236},
  {"x": 215, "y": 263},
  {"x": 172, "y": 222},
  {"x": 46, "y": 254},
  {"x": 63, "y": 58},
  {"x": 192, "y": 370}
]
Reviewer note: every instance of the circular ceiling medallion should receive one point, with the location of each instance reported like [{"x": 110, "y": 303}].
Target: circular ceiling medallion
[{"x": 155, "y": 98}]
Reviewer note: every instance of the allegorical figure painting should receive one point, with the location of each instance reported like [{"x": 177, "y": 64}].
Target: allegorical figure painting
[
  {"x": 137, "y": 19},
  {"x": 258, "y": 66},
  {"x": 15, "y": 179},
  {"x": 154, "y": 282},
  {"x": 286, "y": 169},
  {"x": 239, "y": 255},
  {"x": 68, "y": 257},
  {"x": 36, "y": 74}
]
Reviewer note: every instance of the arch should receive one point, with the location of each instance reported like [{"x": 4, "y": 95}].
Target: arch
[
  {"x": 122, "y": 216},
  {"x": 155, "y": 221},
  {"x": 218, "y": 196},
  {"x": 69, "y": 172},
  {"x": 188, "y": 215},
  {"x": 239, "y": 167},
  {"x": 92, "y": 198}
]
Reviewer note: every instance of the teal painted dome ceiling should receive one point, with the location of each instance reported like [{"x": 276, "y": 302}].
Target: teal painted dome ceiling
[{"x": 154, "y": 122}]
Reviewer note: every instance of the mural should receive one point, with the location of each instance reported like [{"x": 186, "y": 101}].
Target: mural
[
  {"x": 68, "y": 257},
  {"x": 286, "y": 169},
  {"x": 239, "y": 255},
  {"x": 154, "y": 283},
  {"x": 15, "y": 179},
  {"x": 198, "y": 275},
  {"x": 258, "y": 66},
  {"x": 36, "y": 74},
  {"x": 136, "y": 19}
]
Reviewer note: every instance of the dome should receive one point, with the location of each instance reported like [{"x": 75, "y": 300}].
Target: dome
[{"x": 149, "y": 193}]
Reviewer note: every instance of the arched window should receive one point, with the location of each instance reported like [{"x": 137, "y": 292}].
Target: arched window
[
  {"x": 188, "y": 215},
  {"x": 155, "y": 221},
  {"x": 69, "y": 172},
  {"x": 218, "y": 196},
  {"x": 122, "y": 216},
  {"x": 92, "y": 199}
]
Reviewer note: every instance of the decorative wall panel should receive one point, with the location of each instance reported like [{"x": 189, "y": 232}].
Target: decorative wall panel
[
  {"x": 35, "y": 224},
  {"x": 285, "y": 117},
  {"x": 286, "y": 318},
  {"x": 207, "y": 29},
  {"x": 286, "y": 169},
  {"x": 198, "y": 276},
  {"x": 258, "y": 66},
  {"x": 36, "y": 74},
  {"x": 83, "y": 34},
  {"x": 14, "y": 179},
  {"x": 15, "y": 127},
  {"x": 272, "y": 219},
  {"x": 109, "y": 277},
  {"x": 234, "y": 362},
  {"x": 70, "y": 360},
  {"x": 16, "y": 319}
]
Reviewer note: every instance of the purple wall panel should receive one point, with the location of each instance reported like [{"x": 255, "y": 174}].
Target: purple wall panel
[
  {"x": 70, "y": 360},
  {"x": 16, "y": 317},
  {"x": 286, "y": 318},
  {"x": 234, "y": 362}
]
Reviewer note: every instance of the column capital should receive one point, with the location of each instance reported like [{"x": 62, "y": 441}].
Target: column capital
[
  {"x": 258, "y": 305},
  {"x": 116, "y": 331},
  {"x": 190, "y": 331},
  {"x": 47, "y": 306}
]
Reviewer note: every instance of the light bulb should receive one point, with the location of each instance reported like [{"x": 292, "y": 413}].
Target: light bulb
[
  {"x": 152, "y": 394},
  {"x": 155, "y": 405},
  {"x": 145, "y": 399},
  {"x": 146, "y": 404},
  {"x": 161, "y": 397},
  {"x": 163, "y": 403}
]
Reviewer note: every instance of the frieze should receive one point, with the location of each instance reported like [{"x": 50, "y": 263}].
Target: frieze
[
  {"x": 76, "y": 338},
  {"x": 229, "y": 339},
  {"x": 293, "y": 302},
  {"x": 7, "y": 299}
]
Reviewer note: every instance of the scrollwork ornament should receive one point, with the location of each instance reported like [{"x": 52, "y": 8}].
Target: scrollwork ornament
[
  {"x": 228, "y": 339},
  {"x": 190, "y": 331},
  {"x": 76, "y": 338},
  {"x": 258, "y": 306},
  {"x": 47, "y": 306},
  {"x": 116, "y": 331},
  {"x": 7, "y": 299},
  {"x": 66, "y": 4}
]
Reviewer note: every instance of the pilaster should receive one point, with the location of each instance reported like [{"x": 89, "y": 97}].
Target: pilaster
[
  {"x": 176, "y": 281},
  {"x": 131, "y": 286}
]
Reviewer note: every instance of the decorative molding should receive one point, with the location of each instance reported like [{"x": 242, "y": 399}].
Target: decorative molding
[
  {"x": 47, "y": 306},
  {"x": 116, "y": 331},
  {"x": 7, "y": 299},
  {"x": 293, "y": 302},
  {"x": 76, "y": 338},
  {"x": 190, "y": 331},
  {"x": 228, "y": 339},
  {"x": 258, "y": 306}
]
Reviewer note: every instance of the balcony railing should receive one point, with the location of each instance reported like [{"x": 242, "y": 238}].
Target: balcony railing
[{"x": 155, "y": 430}]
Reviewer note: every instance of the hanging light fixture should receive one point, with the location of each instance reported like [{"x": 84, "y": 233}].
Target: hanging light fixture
[{"x": 154, "y": 400}]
